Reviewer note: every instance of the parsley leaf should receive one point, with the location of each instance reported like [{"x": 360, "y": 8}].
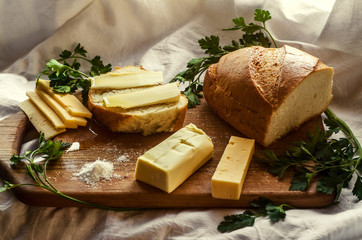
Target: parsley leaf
[
  {"x": 234, "y": 222},
  {"x": 64, "y": 74},
  {"x": 253, "y": 36},
  {"x": 262, "y": 207},
  {"x": 261, "y": 16},
  {"x": 357, "y": 189}
]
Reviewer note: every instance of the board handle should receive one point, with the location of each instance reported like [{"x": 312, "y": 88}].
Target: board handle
[{"x": 12, "y": 131}]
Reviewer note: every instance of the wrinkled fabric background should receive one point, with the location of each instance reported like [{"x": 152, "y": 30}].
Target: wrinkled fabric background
[{"x": 162, "y": 35}]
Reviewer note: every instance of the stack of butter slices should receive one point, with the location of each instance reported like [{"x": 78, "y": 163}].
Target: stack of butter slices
[
  {"x": 51, "y": 113},
  {"x": 133, "y": 100}
]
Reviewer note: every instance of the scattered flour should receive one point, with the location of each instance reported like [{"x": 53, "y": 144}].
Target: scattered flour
[
  {"x": 123, "y": 158},
  {"x": 96, "y": 171}
]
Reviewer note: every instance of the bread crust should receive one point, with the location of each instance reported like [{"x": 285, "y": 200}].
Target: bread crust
[{"x": 247, "y": 86}]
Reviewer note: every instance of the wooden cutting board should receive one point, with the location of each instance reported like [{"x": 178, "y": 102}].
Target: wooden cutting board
[{"x": 96, "y": 142}]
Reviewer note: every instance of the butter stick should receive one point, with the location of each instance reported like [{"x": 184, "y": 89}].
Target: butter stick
[
  {"x": 170, "y": 163},
  {"x": 228, "y": 179}
]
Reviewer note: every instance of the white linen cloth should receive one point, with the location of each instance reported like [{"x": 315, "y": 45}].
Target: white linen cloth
[{"x": 162, "y": 35}]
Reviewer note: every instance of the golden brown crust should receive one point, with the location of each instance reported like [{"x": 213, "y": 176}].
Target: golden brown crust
[
  {"x": 181, "y": 117},
  {"x": 247, "y": 86}
]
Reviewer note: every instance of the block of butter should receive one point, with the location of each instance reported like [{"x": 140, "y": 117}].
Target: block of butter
[
  {"x": 170, "y": 163},
  {"x": 228, "y": 179}
]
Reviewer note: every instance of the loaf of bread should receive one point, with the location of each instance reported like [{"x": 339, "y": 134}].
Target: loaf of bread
[
  {"x": 266, "y": 93},
  {"x": 163, "y": 117}
]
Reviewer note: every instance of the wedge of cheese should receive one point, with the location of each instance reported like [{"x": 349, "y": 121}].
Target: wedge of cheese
[
  {"x": 70, "y": 102},
  {"x": 46, "y": 110},
  {"x": 122, "y": 80},
  {"x": 228, "y": 179},
  {"x": 39, "y": 120},
  {"x": 170, "y": 163},
  {"x": 149, "y": 96},
  {"x": 69, "y": 120}
]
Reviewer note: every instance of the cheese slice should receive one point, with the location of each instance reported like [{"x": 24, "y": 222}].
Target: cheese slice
[
  {"x": 149, "y": 96},
  {"x": 46, "y": 110},
  {"x": 170, "y": 163},
  {"x": 122, "y": 80},
  {"x": 70, "y": 102},
  {"x": 228, "y": 179},
  {"x": 69, "y": 120},
  {"x": 39, "y": 120}
]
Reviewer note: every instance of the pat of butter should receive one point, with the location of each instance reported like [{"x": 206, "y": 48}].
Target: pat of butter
[
  {"x": 228, "y": 179},
  {"x": 70, "y": 102},
  {"x": 149, "y": 96},
  {"x": 127, "y": 80},
  {"x": 170, "y": 163}
]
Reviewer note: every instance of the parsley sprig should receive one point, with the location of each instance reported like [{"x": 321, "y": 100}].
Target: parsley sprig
[
  {"x": 50, "y": 150},
  {"x": 262, "y": 207},
  {"x": 254, "y": 35},
  {"x": 64, "y": 73},
  {"x": 331, "y": 161}
]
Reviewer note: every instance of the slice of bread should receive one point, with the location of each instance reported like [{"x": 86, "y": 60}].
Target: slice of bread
[
  {"x": 267, "y": 92},
  {"x": 166, "y": 117}
]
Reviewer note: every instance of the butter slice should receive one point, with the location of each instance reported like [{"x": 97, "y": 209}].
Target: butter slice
[
  {"x": 69, "y": 120},
  {"x": 39, "y": 120},
  {"x": 123, "y": 80},
  {"x": 170, "y": 163},
  {"x": 46, "y": 110},
  {"x": 70, "y": 102},
  {"x": 149, "y": 96},
  {"x": 228, "y": 179}
]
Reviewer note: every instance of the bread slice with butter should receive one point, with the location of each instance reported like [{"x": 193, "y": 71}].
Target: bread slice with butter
[{"x": 166, "y": 116}]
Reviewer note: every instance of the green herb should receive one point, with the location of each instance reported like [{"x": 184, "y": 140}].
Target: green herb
[
  {"x": 49, "y": 150},
  {"x": 64, "y": 74},
  {"x": 253, "y": 36},
  {"x": 332, "y": 162},
  {"x": 262, "y": 207}
]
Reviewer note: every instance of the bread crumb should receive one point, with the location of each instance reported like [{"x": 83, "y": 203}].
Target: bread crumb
[{"x": 73, "y": 147}]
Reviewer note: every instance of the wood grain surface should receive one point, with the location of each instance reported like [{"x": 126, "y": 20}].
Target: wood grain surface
[{"x": 123, "y": 190}]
